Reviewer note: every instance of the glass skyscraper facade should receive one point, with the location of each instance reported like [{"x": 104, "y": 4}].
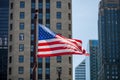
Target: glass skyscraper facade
[
  {"x": 109, "y": 40},
  {"x": 93, "y": 50},
  {"x": 4, "y": 12}
]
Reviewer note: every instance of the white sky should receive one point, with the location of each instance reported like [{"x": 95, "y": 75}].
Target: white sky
[{"x": 84, "y": 18}]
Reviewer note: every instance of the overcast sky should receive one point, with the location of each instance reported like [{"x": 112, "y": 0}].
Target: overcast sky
[{"x": 85, "y": 17}]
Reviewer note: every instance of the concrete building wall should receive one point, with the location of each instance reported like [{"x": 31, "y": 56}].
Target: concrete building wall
[{"x": 66, "y": 63}]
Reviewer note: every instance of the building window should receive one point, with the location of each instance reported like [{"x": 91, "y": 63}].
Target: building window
[
  {"x": 1, "y": 41},
  {"x": 40, "y": 5},
  {"x": 10, "y": 48},
  {"x": 47, "y": 70},
  {"x": 58, "y": 4},
  {"x": 40, "y": 16},
  {"x": 59, "y": 59},
  {"x": 32, "y": 26},
  {"x": 20, "y": 70},
  {"x": 58, "y": 26},
  {"x": 10, "y": 37},
  {"x": 39, "y": 70},
  {"x": 11, "y": 5},
  {"x": 31, "y": 59},
  {"x": 69, "y": 27},
  {"x": 39, "y": 60},
  {"x": 21, "y": 59},
  {"x": 21, "y": 36},
  {"x": 47, "y": 5},
  {"x": 70, "y": 71},
  {"x": 33, "y": 5},
  {"x": 31, "y": 71},
  {"x": 69, "y": 6},
  {"x": 47, "y": 60},
  {"x": 70, "y": 60},
  {"x": 22, "y": 4},
  {"x": 32, "y": 48},
  {"x": 11, "y": 26},
  {"x": 21, "y": 26},
  {"x": 20, "y": 78},
  {"x": 47, "y": 15},
  {"x": 48, "y": 26},
  {"x": 58, "y": 15},
  {"x": 10, "y": 59},
  {"x": 11, "y": 16},
  {"x": 21, "y": 47},
  {"x": 32, "y": 15},
  {"x": 22, "y": 15},
  {"x": 5, "y": 41},
  {"x": 69, "y": 16},
  {"x": 32, "y": 37},
  {"x": 10, "y": 70}
]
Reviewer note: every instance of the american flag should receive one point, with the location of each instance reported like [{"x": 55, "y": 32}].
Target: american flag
[{"x": 51, "y": 44}]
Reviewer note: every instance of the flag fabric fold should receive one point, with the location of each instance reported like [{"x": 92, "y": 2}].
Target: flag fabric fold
[{"x": 51, "y": 44}]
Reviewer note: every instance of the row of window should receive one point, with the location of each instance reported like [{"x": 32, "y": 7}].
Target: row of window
[
  {"x": 58, "y": 26},
  {"x": 58, "y": 5},
  {"x": 58, "y": 15},
  {"x": 21, "y": 59},
  {"x": 21, "y": 16},
  {"x": 20, "y": 70},
  {"x": 21, "y": 48},
  {"x": 40, "y": 5},
  {"x": 40, "y": 15},
  {"x": 21, "y": 37},
  {"x": 22, "y": 5}
]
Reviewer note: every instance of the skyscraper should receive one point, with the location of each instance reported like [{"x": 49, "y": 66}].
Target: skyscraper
[
  {"x": 80, "y": 71},
  {"x": 4, "y": 11},
  {"x": 109, "y": 40},
  {"x": 93, "y": 50},
  {"x": 56, "y": 15}
]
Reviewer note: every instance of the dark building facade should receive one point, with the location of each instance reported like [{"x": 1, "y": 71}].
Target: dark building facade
[
  {"x": 93, "y": 50},
  {"x": 109, "y": 40},
  {"x": 4, "y": 11}
]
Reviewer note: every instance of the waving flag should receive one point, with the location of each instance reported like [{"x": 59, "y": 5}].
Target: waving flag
[{"x": 51, "y": 44}]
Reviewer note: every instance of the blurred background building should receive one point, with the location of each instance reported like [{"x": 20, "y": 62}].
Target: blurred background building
[
  {"x": 4, "y": 12},
  {"x": 93, "y": 50},
  {"x": 109, "y": 40}
]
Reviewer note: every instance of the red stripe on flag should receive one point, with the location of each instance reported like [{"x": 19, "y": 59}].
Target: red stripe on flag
[
  {"x": 52, "y": 49},
  {"x": 59, "y": 54}
]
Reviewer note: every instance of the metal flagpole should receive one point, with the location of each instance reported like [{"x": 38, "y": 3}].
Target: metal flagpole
[{"x": 35, "y": 43}]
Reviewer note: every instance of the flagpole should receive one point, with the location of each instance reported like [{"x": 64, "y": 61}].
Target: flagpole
[{"x": 35, "y": 47}]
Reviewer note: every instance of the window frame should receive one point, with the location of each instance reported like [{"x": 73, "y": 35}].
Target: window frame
[
  {"x": 21, "y": 58},
  {"x": 21, "y": 26},
  {"x": 21, "y": 36},
  {"x": 22, "y": 4},
  {"x": 22, "y": 15},
  {"x": 21, "y": 70},
  {"x": 58, "y": 15},
  {"x": 58, "y": 4},
  {"x": 21, "y": 47},
  {"x": 59, "y": 26}
]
